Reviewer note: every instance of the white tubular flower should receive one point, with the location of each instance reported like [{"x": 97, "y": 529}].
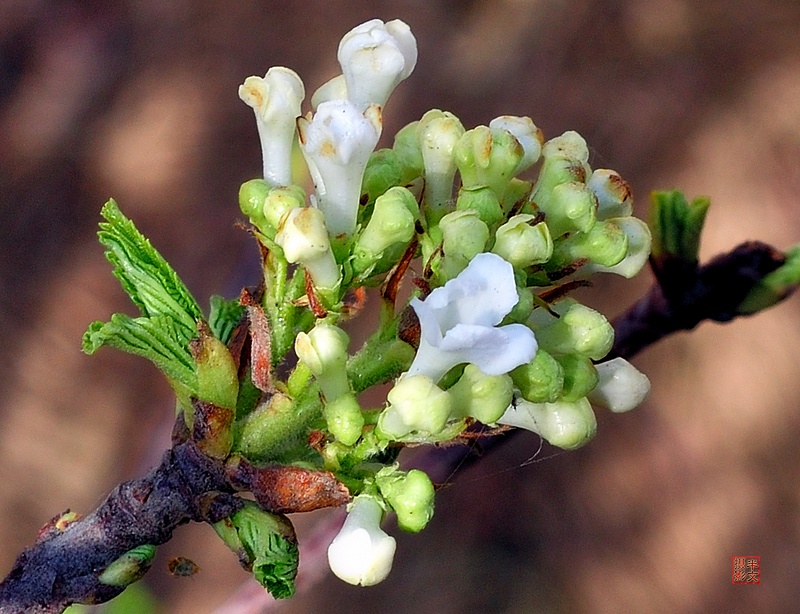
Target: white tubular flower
[
  {"x": 375, "y": 57},
  {"x": 438, "y": 132},
  {"x": 333, "y": 89},
  {"x": 565, "y": 425},
  {"x": 362, "y": 553},
  {"x": 324, "y": 350},
  {"x": 276, "y": 100},
  {"x": 459, "y": 322},
  {"x": 525, "y": 131},
  {"x": 304, "y": 239},
  {"x": 336, "y": 144},
  {"x": 639, "y": 244},
  {"x": 621, "y": 387}
]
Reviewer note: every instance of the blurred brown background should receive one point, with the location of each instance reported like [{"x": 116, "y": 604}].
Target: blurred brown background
[{"x": 137, "y": 100}]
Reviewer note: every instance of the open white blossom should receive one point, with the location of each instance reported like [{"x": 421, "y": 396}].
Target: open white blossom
[
  {"x": 337, "y": 142},
  {"x": 375, "y": 57},
  {"x": 621, "y": 387},
  {"x": 276, "y": 98},
  {"x": 459, "y": 322},
  {"x": 362, "y": 553}
]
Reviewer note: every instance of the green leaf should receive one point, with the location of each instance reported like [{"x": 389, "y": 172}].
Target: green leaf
[
  {"x": 224, "y": 317},
  {"x": 775, "y": 286},
  {"x": 144, "y": 274},
  {"x": 157, "y": 339},
  {"x": 677, "y": 225}
]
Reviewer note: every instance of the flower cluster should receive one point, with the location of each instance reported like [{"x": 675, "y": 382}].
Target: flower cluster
[{"x": 504, "y": 224}]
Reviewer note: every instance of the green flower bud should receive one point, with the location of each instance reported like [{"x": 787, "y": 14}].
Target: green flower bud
[
  {"x": 483, "y": 397},
  {"x": 464, "y": 236},
  {"x": 580, "y": 376},
  {"x": 614, "y": 197},
  {"x": 639, "y": 241},
  {"x": 564, "y": 425},
  {"x": 406, "y": 146},
  {"x": 392, "y": 222},
  {"x": 280, "y": 200},
  {"x": 265, "y": 544},
  {"x": 522, "y": 310},
  {"x": 528, "y": 135},
  {"x": 410, "y": 495},
  {"x": 384, "y": 170},
  {"x": 483, "y": 201},
  {"x": 621, "y": 386},
  {"x": 517, "y": 193},
  {"x": 568, "y": 146},
  {"x": 130, "y": 567},
  {"x": 438, "y": 132},
  {"x": 217, "y": 375},
  {"x": 252, "y": 195},
  {"x": 604, "y": 243},
  {"x": 571, "y": 207},
  {"x": 541, "y": 380},
  {"x": 565, "y": 160},
  {"x": 416, "y": 403},
  {"x": 522, "y": 244},
  {"x": 487, "y": 157},
  {"x": 304, "y": 238},
  {"x": 324, "y": 350},
  {"x": 344, "y": 418},
  {"x": 579, "y": 330}
]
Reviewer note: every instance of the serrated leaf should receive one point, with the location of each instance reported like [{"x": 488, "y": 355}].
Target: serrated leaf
[
  {"x": 157, "y": 339},
  {"x": 224, "y": 317},
  {"x": 144, "y": 274}
]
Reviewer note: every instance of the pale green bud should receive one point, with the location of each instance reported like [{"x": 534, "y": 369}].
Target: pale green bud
[
  {"x": 384, "y": 170},
  {"x": 604, "y": 243},
  {"x": 252, "y": 195},
  {"x": 265, "y": 206},
  {"x": 217, "y": 374},
  {"x": 438, "y": 132},
  {"x": 541, "y": 380},
  {"x": 392, "y": 222},
  {"x": 528, "y": 135},
  {"x": 304, "y": 238},
  {"x": 411, "y": 496},
  {"x": 483, "y": 201},
  {"x": 564, "y": 425},
  {"x": 614, "y": 196},
  {"x": 487, "y": 157},
  {"x": 569, "y": 145},
  {"x": 344, "y": 418},
  {"x": 406, "y": 146},
  {"x": 621, "y": 386},
  {"x": 522, "y": 310},
  {"x": 480, "y": 396},
  {"x": 639, "y": 242},
  {"x": 130, "y": 567},
  {"x": 281, "y": 200},
  {"x": 571, "y": 206},
  {"x": 324, "y": 350},
  {"x": 565, "y": 160},
  {"x": 579, "y": 330},
  {"x": 523, "y": 244},
  {"x": 464, "y": 236},
  {"x": 416, "y": 403},
  {"x": 517, "y": 194},
  {"x": 580, "y": 376}
]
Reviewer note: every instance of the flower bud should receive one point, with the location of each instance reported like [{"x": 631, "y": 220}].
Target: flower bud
[
  {"x": 604, "y": 243},
  {"x": 565, "y": 160},
  {"x": 579, "y": 330},
  {"x": 487, "y": 157},
  {"x": 614, "y": 197},
  {"x": 128, "y": 568},
  {"x": 416, "y": 403},
  {"x": 392, "y": 221},
  {"x": 337, "y": 143},
  {"x": 528, "y": 135},
  {"x": 304, "y": 238},
  {"x": 375, "y": 57},
  {"x": 362, "y": 553},
  {"x": 410, "y": 495},
  {"x": 621, "y": 386},
  {"x": 407, "y": 147},
  {"x": 344, "y": 418},
  {"x": 564, "y": 425},
  {"x": 464, "y": 236},
  {"x": 483, "y": 201},
  {"x": 522, "y": 244},
  {"x": 438, "y": 132},
  {"x": 265, "y": 206},
  {"x": 571, "y": 207},
  {"x": 480, "y": 396},
  {"x": 324, "y": 350},
  {"x": 639, "y": 242},
  {"x": 276, "y": 100},
  {"x": 541, "y": 380},
  {"x": 384, "y": 170},
  {"x": 580, "y": 376}
]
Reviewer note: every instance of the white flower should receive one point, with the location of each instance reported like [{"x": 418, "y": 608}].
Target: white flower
[
  {"x": 565, "y": 425},
  {"x": 621, "y": 387},
  {"x": 276, "y": 100},
  {"x": 362, "y": 553},
  {"x": 459, "y": 322},
  {"x": 304, "y": 239},
  {"x": 337, "y": 143},
  {"x": 375, "y": 57}
]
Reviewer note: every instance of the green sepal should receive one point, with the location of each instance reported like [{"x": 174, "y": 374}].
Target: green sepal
[
  {"x": 676, "y": 225},
  {"x": 224, "y": 317},
  {"x": 158, "y": 339},
  {"x": 145, "y": 276}
]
